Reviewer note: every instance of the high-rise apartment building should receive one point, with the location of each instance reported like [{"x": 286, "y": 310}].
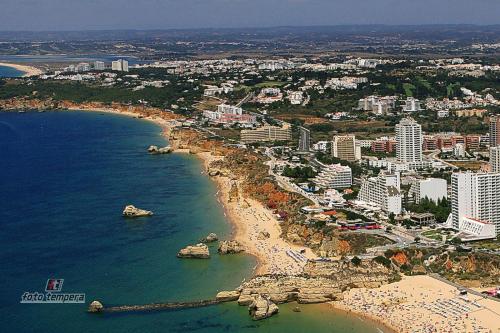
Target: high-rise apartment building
[
  {"x": 304, "y": 139},
  {"x": 475, "y": 196},
  {"x": 344, "y": 147},
  {"x": 495, "y": 159},
  {"x": 120, "y": 65},
  {"x": 494, "y": 131},
  {"x": 99, "y": 65},
  {"x": 409, "y": 141}
]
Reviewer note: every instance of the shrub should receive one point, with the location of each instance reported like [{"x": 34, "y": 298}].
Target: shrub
[
  {"x": 383, "y": 261},
  {"x": 356, "y": 261}
]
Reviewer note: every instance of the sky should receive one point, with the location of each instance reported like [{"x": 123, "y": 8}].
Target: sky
[{"x": 64, "y": 15}]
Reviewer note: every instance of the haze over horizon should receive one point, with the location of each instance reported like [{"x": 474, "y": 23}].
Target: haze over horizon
[{"x": 71, "y": 15}]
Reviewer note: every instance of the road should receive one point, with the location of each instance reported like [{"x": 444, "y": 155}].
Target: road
[
  {"x": 453, "y": 284},
  {"x": 434, "y": 156}
]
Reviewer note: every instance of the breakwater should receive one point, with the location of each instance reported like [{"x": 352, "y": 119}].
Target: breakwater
[{"x": 155, "y": 306}]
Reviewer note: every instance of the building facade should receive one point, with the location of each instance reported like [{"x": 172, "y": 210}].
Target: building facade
[
  {"x": 495, "y": 159},
  {"x": 304, "y": 139},
  {"x": 431, "y": 188},
  {"x": 476, "y": 196},
  {"x": 344, "y": 147},
  {"x": 120, "y": 65},
  {"x": 409, "y": 141},
  {"x": 494, "y": 131},
  {"x": 99, "y": 65},
  {"x": 334, "y": 176},
  {"x": 267, "y": 133},
  {"x": 412, "y": 105},
  {"x": 382, "y": 191}
]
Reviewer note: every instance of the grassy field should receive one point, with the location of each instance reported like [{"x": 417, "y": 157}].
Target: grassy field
[
  {"x": 269, "y": 84},
  {"x": 208, "y": 103},
  {"x": 408, "y": 88},
  {"x": 468, "y": 165},
  {"x": 433, "y": 234}
]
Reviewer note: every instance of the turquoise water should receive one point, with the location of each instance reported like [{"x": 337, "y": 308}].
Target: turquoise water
[
  {"x": 10, "y": 72},
  {"x": 64, "y": 180}
]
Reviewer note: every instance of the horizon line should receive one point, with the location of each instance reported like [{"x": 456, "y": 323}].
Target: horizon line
[{"x": 256, "y": 27}]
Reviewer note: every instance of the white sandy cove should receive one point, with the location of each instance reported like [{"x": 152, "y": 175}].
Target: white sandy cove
[{"x": 28, "y": 70}]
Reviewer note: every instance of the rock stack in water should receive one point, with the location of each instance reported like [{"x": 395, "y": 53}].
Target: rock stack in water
[
  {"x": 132, "y": 211},
  {"x": 155, "y": 150},
  {"x": 95, "y": 307},
  {"x": 210, "y": 238},
  {"x": 198, "y": 251},
  {"x": 262, "y": 308},
  {"x": 230, "y": 247}
]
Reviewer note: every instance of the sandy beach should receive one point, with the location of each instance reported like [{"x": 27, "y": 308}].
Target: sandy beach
[
  {"x": 28, "y": 70},
  {"x": 250, "y": 218},
  {"x": 422, "y": 304}
]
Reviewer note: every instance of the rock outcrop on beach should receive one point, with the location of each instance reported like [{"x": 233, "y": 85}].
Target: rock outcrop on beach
[
  {"x": 230, "y": 247},
  {"x": 163, "y": 150},
  {"x": 132, "y": 211},
  {"x": 211, "y": 237},
  {"x": 321, "y": 282},
  {"x": 198, "y": 251},
  {"x": 95, "y": 306},
  {"x": 228, "y": 296},
  {"x": 262, "y": 308}
]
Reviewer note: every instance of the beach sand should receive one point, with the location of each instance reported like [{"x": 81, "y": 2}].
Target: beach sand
[
  {"x": 423, "y": 304},
  {"x": 249, "y": 218},
  {"x": 28, "y": 70}
]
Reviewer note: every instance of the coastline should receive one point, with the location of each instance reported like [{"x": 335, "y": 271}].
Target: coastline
[
  {"x": 27, "y": 70},
  {"x": 400, "y": 307},
  {"x": 248, "y": 219}
]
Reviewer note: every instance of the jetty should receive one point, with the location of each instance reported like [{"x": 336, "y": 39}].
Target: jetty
[{"x": 153, "y": 306}]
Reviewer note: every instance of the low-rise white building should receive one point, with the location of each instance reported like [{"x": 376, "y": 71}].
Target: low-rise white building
[
  {"x": 382, "y": 191},
  {"x": 412, "y": 105},
  {"x": 295, "y": 97},
  {"x": 474, "y": 229}
]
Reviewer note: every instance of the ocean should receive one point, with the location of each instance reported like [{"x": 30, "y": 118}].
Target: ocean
[
  {"x": 10, "y": 72},
  {"x": 65, "y": 178}
]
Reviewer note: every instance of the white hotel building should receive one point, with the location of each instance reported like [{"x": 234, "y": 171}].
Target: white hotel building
[
  {"x": 334, "y": 176},
  {"x": 475, "y": 196},
  {"x": 382, "y": 191}
]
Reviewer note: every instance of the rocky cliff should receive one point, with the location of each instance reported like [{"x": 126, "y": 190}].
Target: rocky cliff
[{"x": 321, "y": 282}]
